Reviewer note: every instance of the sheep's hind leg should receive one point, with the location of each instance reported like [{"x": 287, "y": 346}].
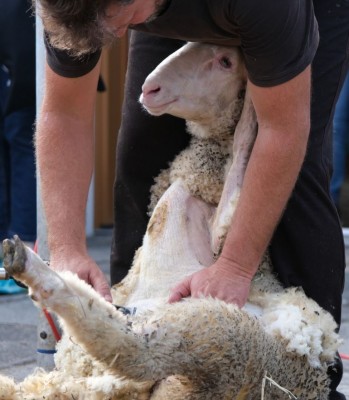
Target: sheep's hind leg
[
  {"x": 45, "y": 286},
  {"x": 63, "y": 293},
  {"x": 83, "y": 313},
  {"x": 93, "y": 322}
]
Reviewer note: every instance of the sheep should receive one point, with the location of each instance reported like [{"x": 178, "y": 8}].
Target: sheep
[{"x": 197, "y": 348}]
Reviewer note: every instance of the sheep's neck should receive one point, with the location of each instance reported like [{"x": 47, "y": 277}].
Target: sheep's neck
[
  {"x": 177, "y": 244},
  {"x": 220, "y": 125}
]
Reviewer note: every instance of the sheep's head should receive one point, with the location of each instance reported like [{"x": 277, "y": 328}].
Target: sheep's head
[{"x": 199, "y": 82}]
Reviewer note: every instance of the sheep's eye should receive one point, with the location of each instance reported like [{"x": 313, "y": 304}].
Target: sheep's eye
[{"x": 225, "y": 62}]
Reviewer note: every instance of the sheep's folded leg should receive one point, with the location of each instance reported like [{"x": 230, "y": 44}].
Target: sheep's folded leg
[
  {"x": 244, "y": 137},
  {"x": 85, "y": 315}
]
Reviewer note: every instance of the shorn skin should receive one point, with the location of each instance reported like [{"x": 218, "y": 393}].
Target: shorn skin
[{"x": 197, "y": 348}]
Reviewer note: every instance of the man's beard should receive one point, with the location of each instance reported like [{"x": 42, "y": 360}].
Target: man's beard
[
  {"x": 160, "y": 7},
  {"x": 108, "y": 35}
]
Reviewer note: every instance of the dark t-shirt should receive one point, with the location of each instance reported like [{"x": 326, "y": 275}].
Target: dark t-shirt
[{"x": 278, "y": 38}]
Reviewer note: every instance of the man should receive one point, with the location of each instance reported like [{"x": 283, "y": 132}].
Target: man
[{"x": 279, "y": 41}]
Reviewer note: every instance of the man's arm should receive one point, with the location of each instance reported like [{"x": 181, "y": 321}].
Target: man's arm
[
  {"x": 283, "y": 114},
  {"x": 65, "y": 154}
]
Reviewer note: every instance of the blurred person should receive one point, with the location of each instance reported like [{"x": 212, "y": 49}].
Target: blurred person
[{"x": 17, "y": 116}]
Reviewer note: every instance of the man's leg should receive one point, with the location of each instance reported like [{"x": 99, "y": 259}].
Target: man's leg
[
  {"x": 145, "y": 146},
  {"x": 308, "y": 249}
]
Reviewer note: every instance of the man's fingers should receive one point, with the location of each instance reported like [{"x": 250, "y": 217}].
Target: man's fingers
[
  {"x": 100, "y": 284},
  {"x": 107, "y": 297},
  {"x": 105, "y": 292},
  {"x": 174, "y": 297},
  {"x": 180, "y": 291}
]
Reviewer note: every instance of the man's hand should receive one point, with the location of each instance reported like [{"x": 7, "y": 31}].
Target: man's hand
[
  {"x": 86, "y": 269},
  {"x": 222, "y": 280}
]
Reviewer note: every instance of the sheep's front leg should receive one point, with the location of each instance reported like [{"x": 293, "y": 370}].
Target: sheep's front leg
[{"x": 244, "y": 137}]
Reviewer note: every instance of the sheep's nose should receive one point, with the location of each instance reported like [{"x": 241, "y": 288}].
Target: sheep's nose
[{"x": 150, "y": 89}]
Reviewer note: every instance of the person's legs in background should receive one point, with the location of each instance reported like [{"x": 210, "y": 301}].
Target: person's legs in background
[
  {"x": 17, "y": 175},
  {"x": 4, "y": 201},
  {"x": 17, "y": 168},
  {"x": 17, "y": 116},
  {"x": 18, "y": 103},
  {"x": 18, "y": 132},
  {"x": 145, "y": 146},
  {"x": 340, "y": 142}
]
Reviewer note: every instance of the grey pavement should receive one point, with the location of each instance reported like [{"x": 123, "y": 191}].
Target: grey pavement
[{"x": 19, "y": 321}]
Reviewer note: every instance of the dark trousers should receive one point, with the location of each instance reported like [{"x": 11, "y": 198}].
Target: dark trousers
[
  {"x": 307, "y": 248},
  {"x": 17, "y": 170},
  {"x": 17, "y": 116}
]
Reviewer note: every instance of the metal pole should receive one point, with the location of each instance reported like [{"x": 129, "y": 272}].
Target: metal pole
[{"x": 46, "y": 342}]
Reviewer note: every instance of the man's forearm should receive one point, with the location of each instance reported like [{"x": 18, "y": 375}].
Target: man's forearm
[
  {"x": 283, "y": 115},
  {"x": 268, "y": 183},
  {"x": 65, "y": 163}
]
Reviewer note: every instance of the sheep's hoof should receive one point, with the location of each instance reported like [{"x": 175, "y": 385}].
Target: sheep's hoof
[{"x": 15, "y": 256}]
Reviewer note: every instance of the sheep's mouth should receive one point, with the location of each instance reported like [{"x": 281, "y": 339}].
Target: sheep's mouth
[{"x": 157, "y": 109}]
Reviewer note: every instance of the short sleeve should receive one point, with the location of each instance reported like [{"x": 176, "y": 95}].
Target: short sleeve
[
  {"x": 279, "y": 39},
  {"x": 64, "y": 64}
]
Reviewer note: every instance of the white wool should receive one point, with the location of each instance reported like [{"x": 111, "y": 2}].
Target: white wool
[
  {"x": 103, "y": 386},
  {"x": 287, "y": 322},
  {"x": 7, "y": 388},
  {"x": 253, "y": 309}
]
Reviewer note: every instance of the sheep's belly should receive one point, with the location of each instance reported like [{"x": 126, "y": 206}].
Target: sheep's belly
[{"x": 150, "y": 305}]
